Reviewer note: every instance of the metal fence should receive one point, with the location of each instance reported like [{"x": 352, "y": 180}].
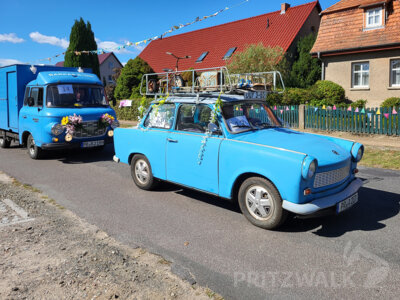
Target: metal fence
[{"x": 369, "y": 120}]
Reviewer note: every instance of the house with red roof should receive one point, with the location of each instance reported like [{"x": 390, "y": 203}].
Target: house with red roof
[
  {"x": 359, "y": 45},
  {"x": 211, "y": 47},
  {"x": 108, "y": 62}
]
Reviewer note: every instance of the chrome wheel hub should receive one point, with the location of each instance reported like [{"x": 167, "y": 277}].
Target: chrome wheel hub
[
  {"x": 259, "y": 202},
  {"x": 32, "y": 147},
  {"x": 142, "y": 171}
]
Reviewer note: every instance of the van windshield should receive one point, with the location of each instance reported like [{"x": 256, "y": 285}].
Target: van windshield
[{"x": 75, "y": 95}]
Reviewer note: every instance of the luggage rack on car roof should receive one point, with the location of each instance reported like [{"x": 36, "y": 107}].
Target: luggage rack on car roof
[{"x": 209, "y": 81}]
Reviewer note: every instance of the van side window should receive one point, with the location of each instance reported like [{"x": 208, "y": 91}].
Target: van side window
[
  {"x": 26, "y": 96},
  {"x": 37, "y": 95}
]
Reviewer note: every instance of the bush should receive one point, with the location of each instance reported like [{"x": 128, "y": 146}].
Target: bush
[
  {"x": 391, "y": 102},
  {"x": 274, "y": 99},
  {"x": 129, "y": 113},
  {"x": 326, "y": 92},
  {"x": 361, "y": 103},
  {"x": 296, "y": 96}
]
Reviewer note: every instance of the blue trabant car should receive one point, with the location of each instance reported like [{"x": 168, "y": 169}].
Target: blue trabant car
[{"x": 241, "y": 152}]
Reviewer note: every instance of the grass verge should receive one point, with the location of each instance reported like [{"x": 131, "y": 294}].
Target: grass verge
[{"x": 381, "y": 158}]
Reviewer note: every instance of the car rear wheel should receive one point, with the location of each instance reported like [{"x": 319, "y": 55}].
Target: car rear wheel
[
  {"x": 34, "y": 151},
  {"x": 141, "y": 173},
  {"x": 261, "y": 203},
  {"x": 4, "y": 142}
]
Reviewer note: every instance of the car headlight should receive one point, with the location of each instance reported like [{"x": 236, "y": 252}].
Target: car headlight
[
  {"x": 114, "y": 124},
  {"x": 309, "y": 167},
  {"x": 57, "y": 129},
  {"x": 357, "y": 152}
]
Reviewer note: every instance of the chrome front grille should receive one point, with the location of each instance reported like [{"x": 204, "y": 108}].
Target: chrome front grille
[
  {"x": 331, "y": 177},
  {"x": 89, "y": 129}
]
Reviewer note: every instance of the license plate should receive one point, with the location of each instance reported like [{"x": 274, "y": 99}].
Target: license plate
[
  {"x": 346, "y": 204},
  {"x": 91, "y": 144}
]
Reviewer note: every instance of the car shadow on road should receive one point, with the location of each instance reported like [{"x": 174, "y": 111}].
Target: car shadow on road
[
  {"x": 80, "y": 156},
  {"x": 197, "y": 195},
  {"x": 374, "y": 206}
]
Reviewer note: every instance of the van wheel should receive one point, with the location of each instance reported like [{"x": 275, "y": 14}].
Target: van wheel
[
  {"x": 34, "y": 151},
  {"x": 141, "y": 173},
  {"x": 261, "y": 203},
  {"x": 4, "y": 142}
]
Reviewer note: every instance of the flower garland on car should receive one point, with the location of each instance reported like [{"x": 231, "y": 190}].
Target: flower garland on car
[
  {"x": 71, "y": 123},
  {"x": 213, "y": 119},
  {"x": 106, "y": 120}
]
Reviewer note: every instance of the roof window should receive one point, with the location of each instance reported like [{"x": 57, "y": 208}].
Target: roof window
[
  {"x": 229, "y": 53},
  {"x": 202, "y": 56}
]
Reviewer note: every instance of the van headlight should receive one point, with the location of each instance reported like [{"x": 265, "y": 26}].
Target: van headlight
[
  {"x": 114, "y": 124},
  {"x": 357, "y": 152},
  {"x": 57, "y": 129},
  {"x": 309, "y": 167}
]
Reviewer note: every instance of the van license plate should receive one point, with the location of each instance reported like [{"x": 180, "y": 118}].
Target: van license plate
[
  {"x": 91, "y": 144},
  {"x": 346, "y": 204}
]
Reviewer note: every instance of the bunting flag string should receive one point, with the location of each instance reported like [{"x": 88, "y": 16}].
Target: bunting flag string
[
  {"x": 394, "y": 112},
  {"x": 131, "y": 44}
]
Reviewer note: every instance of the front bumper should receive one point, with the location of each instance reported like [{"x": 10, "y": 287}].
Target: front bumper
[
  {"x": 325, "y": 202},
  {"x": 74, "y": 144}
]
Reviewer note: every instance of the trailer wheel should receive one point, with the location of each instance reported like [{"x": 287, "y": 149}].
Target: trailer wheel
[
  {"x": 4, "y": 142},
  {"x": 34, "y": 151}
]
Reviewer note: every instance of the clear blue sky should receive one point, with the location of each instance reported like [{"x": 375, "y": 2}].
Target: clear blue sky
[{"x": 31, "y": 30}]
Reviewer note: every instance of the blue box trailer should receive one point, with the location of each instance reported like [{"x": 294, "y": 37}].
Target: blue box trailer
[{"x": 36, "y": 101}]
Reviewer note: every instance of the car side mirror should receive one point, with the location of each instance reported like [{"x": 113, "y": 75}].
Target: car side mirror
[
  {"x": 30, "y": 101},
  {"x": 214, "y": 129}
]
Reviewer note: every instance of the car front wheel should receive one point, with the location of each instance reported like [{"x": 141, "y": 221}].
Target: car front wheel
[
  {"x": 34, "y": 151},
  {"x": 261, "y": 203},
  {"x": 141, "y": 173}
]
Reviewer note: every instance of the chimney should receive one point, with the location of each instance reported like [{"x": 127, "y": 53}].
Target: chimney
[{"x": 284, "y": 8}]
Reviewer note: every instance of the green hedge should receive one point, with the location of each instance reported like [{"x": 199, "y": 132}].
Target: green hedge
[
  {"x": 130, "y": 113},
  {"x": 391, "y": 102}
]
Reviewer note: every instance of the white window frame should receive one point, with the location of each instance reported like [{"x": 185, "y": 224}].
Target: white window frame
[
  {"x": 392, "y": 83},
  {"x": 374, "y": 12},
  {"x": 361, "y": 72}
]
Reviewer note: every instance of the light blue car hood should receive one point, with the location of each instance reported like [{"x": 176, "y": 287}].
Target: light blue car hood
[{"x": 319, "y": 147}]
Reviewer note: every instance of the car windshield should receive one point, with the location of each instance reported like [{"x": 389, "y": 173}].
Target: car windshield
[
  {"x": 245, "y": 116},
  {"x": 75, "y": 95}
]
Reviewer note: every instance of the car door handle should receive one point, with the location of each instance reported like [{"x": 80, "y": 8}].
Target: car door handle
[
  {"x": 24, "y": 117},
  {"x": 171, "y": 140}
]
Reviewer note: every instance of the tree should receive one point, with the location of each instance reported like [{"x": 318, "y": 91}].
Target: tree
[
  {"x": 82, "y": 39},
  {"x": 306, "y": 70},
  {"x": 257, "y": 58},
  {"x": 128, "y": 83}
]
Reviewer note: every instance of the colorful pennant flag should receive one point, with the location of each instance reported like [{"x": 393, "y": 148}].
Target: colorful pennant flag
[
  {"x": 386, "y": 116},
  {"x": 369, "y": 115},
  {"x": 275, "y": 107},
  {"x": 394, "y": 112},
  {"x": 315, "y": 108},
  {"x": 378, "y": 112},
  {"x": 334, "y": 107},
  {"x": 363, "y": 111},
  {"x": 281, "y": 111},
  {"x": 323, "y": 107},
  {"x": 357, "y": 110},
  {"x": 287, "y": 108},
  {"x": 349, "y": 109}
]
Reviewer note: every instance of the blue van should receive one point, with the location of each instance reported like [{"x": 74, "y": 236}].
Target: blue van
[{"x": 49, "y": 107}]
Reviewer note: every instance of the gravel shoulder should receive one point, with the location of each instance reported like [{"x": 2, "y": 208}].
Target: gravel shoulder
[{"x": 47, "y": 252}]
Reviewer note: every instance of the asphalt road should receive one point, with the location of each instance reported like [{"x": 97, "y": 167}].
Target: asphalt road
[{"x": 354, "y": 255}]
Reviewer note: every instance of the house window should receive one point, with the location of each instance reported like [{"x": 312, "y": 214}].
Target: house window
[
  {"x": 110, "y": 65},
  {"x": 202, "y": 56},
  {"x": 360, "y": 75},
  {"x": 395, "y": 72},
  {"x": 374, "y": 17},
  {"x": 229, "y": 53},
  {"x": 110, "y": 78}
]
